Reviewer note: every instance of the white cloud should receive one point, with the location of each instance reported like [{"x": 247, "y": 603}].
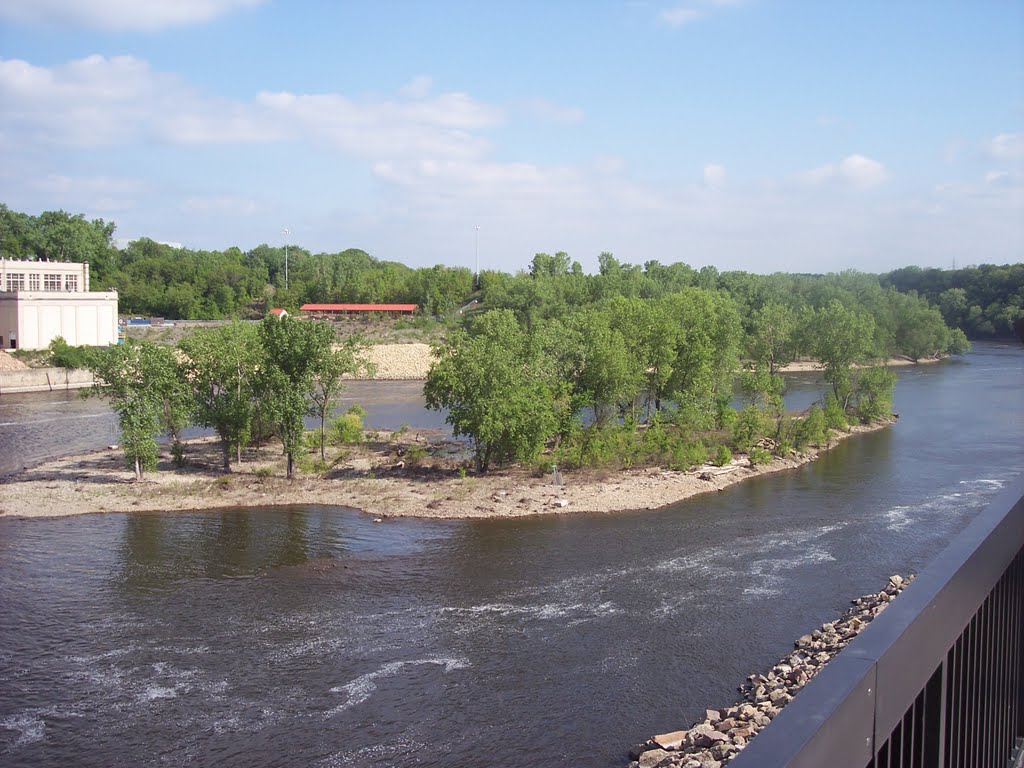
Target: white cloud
[
  {"x": 855, "y": 170},
  {"x": 100, "y": 101},
  {"x": 1007, "y": 146},
  {"x": 679, "y": 16},
  {"x": 556, "y": 113},
  {"x": 714, "y": 176},
  {"x": 120, "y": 15}
]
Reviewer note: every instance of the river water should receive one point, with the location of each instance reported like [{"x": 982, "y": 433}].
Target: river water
[{"x": 314, "y": 636}]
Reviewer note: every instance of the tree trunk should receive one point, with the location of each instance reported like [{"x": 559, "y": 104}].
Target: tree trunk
[
  {"x": 138, "y": 469},
  {"x": 238, "y": 451},
  {"x": 289, "y": 474},
  {"x": 323, "y": 454},
  {"x": 227, "y": 456}
]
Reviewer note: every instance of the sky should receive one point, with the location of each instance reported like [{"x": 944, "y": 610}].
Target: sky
[{"x": 759, "y": 135}]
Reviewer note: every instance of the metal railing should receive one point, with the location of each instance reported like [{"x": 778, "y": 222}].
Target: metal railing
[{"x": 937, "y": 679}]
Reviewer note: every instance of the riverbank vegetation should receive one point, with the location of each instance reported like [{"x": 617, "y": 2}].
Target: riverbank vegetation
[
  {"x": 247, "y": 382},
  {"x": 635, "y": 382},
  {"x": 913, "y": 309}
]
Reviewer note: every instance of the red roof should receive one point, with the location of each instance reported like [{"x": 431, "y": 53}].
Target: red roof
[
  {"x": 278, "y": 312},
  {"x": 358, "y": 307}
]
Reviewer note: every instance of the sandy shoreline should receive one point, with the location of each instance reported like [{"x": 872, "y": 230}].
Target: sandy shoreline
[
  {"x": 412, "y": 361},
  {"x": 98, "y": 482}
]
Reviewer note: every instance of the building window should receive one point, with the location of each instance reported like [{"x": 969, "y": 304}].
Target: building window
[
  {"x": 51, "y": 282},
  {"x": 71, "y": 283},
  {"x": 15, "y": 281},
  {"x": 33, "y": 281}
]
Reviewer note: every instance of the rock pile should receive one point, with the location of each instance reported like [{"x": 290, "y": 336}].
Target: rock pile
[
  {"x": 8, "y": 363},
  {"x": 399, "y": 361},
  {"x": 724, "y": 733}
]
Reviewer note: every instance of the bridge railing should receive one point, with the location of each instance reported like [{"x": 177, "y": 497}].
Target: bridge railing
[{"x": 937, "y": 679}]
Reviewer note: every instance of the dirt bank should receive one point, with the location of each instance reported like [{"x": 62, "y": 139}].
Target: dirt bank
[{"x": 375, "y": 477}]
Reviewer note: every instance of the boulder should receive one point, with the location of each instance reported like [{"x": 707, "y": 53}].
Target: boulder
[
  {"x": 670, "y": 741},
  {"x": 653, "y": 757}
]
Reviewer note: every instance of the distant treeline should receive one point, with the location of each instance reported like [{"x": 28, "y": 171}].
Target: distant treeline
[{"x": 910, "y": 306}]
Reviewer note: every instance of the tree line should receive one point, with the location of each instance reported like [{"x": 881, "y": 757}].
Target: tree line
[
  {"x": 245, "y": 381},
  {"x": 913, "y": 309}
]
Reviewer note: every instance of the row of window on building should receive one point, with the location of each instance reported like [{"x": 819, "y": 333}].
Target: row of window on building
[{"x": 16, "y": 282}]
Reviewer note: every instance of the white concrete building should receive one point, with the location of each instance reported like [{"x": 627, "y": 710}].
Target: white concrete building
[{"x": 40, "y": 300}]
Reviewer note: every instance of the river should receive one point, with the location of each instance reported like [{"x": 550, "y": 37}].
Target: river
[{"x": 314, "y": 636}]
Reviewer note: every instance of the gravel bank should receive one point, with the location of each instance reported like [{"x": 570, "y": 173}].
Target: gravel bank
[{"x": 399, "y": 361}]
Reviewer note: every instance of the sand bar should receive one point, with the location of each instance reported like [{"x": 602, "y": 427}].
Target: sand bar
[{"x": 371, "y": 480}]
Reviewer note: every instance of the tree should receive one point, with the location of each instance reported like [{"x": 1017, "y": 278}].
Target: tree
[
  {"x": 292, "y": 351},
  {"x": 609, "y": 377},
  {"x": 139, "y": 379},
  {"x": 492, "y": 380},
  {"x": 220, "y": 366},
  {"x": 873, "y": 392},
  {"x": 706, "y": 351},
  {"x": 771, "y": 341},
  {"x": 839, "y": 338},
  {"x": 327, "y": 381}
]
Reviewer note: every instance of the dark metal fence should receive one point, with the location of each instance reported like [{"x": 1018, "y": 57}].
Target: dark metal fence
[{"x": 937, "y": 679}]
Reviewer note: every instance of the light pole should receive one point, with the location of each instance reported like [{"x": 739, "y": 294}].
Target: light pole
[
  {"x": 285, "y": 232},
  {"x": 476, "y": 250}
]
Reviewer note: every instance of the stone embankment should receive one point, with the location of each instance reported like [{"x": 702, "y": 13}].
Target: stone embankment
[{"x": 723, "y": 733}]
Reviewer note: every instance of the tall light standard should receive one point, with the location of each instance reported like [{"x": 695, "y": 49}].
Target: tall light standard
[
  {"x": 286, "y": 232},
  {"x": 476, "y": 250}
]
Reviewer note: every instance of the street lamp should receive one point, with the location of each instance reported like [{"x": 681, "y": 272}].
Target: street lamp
[
  {"x": 286, "y": 232},
  {"x": 476, "y": 249}
]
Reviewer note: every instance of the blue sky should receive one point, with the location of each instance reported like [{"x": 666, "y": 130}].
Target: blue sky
[{"x": 748, "y": 134}]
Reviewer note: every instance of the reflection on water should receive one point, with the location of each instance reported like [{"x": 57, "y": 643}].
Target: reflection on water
[{"x": 313, "y": 636}]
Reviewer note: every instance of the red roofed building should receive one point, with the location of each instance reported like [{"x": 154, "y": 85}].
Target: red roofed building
[
  {"x": 279, "y": 312},
  {"x": 357, "y": 309}
]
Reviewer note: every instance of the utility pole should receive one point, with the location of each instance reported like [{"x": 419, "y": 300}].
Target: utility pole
[
  {"x": 476, "y": 249},
  {"x": 286, "y": 232}
]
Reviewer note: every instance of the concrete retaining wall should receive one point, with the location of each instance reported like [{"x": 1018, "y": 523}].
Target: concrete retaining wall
[{"x": 43, "y": 380}]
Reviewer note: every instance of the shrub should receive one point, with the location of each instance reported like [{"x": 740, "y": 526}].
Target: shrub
[
  {"x": 811, "y": 430},
  {"x": 686, "y": 455},
  {"x": 347, "y": 429},
  {"x": 835, "y": 416},
  {"x": 750, "y": 425},
  {"x": 415, "y": 454},
  {"x": 178, "y": 454},
  {"x": 63, "y": 355},
  {"x": 722, "y": 456},
  {"x": 759, "y": 456},
  {"x": 263, "y": 473},
  {"x": 873, "y": 395}
]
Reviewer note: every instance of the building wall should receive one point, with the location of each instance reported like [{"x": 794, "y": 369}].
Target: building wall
[
  {"x": 41, "y": 300},
  {"x": 36, "y": 319},
  {"x": 23, "y": 271}
]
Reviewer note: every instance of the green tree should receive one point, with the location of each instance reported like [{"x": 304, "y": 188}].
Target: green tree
[
  {"x": 771, "y": 342},
  {"x": 839, "y": 338},
  {"x": 872, "y": 394},
  {"x": 327, "y": 382},
  {"x": 138, "y": 378},
  {"x": 293, "y": 350},
  {"x": 492, "y": 380},
  {"x": 221, "y": 366}
]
